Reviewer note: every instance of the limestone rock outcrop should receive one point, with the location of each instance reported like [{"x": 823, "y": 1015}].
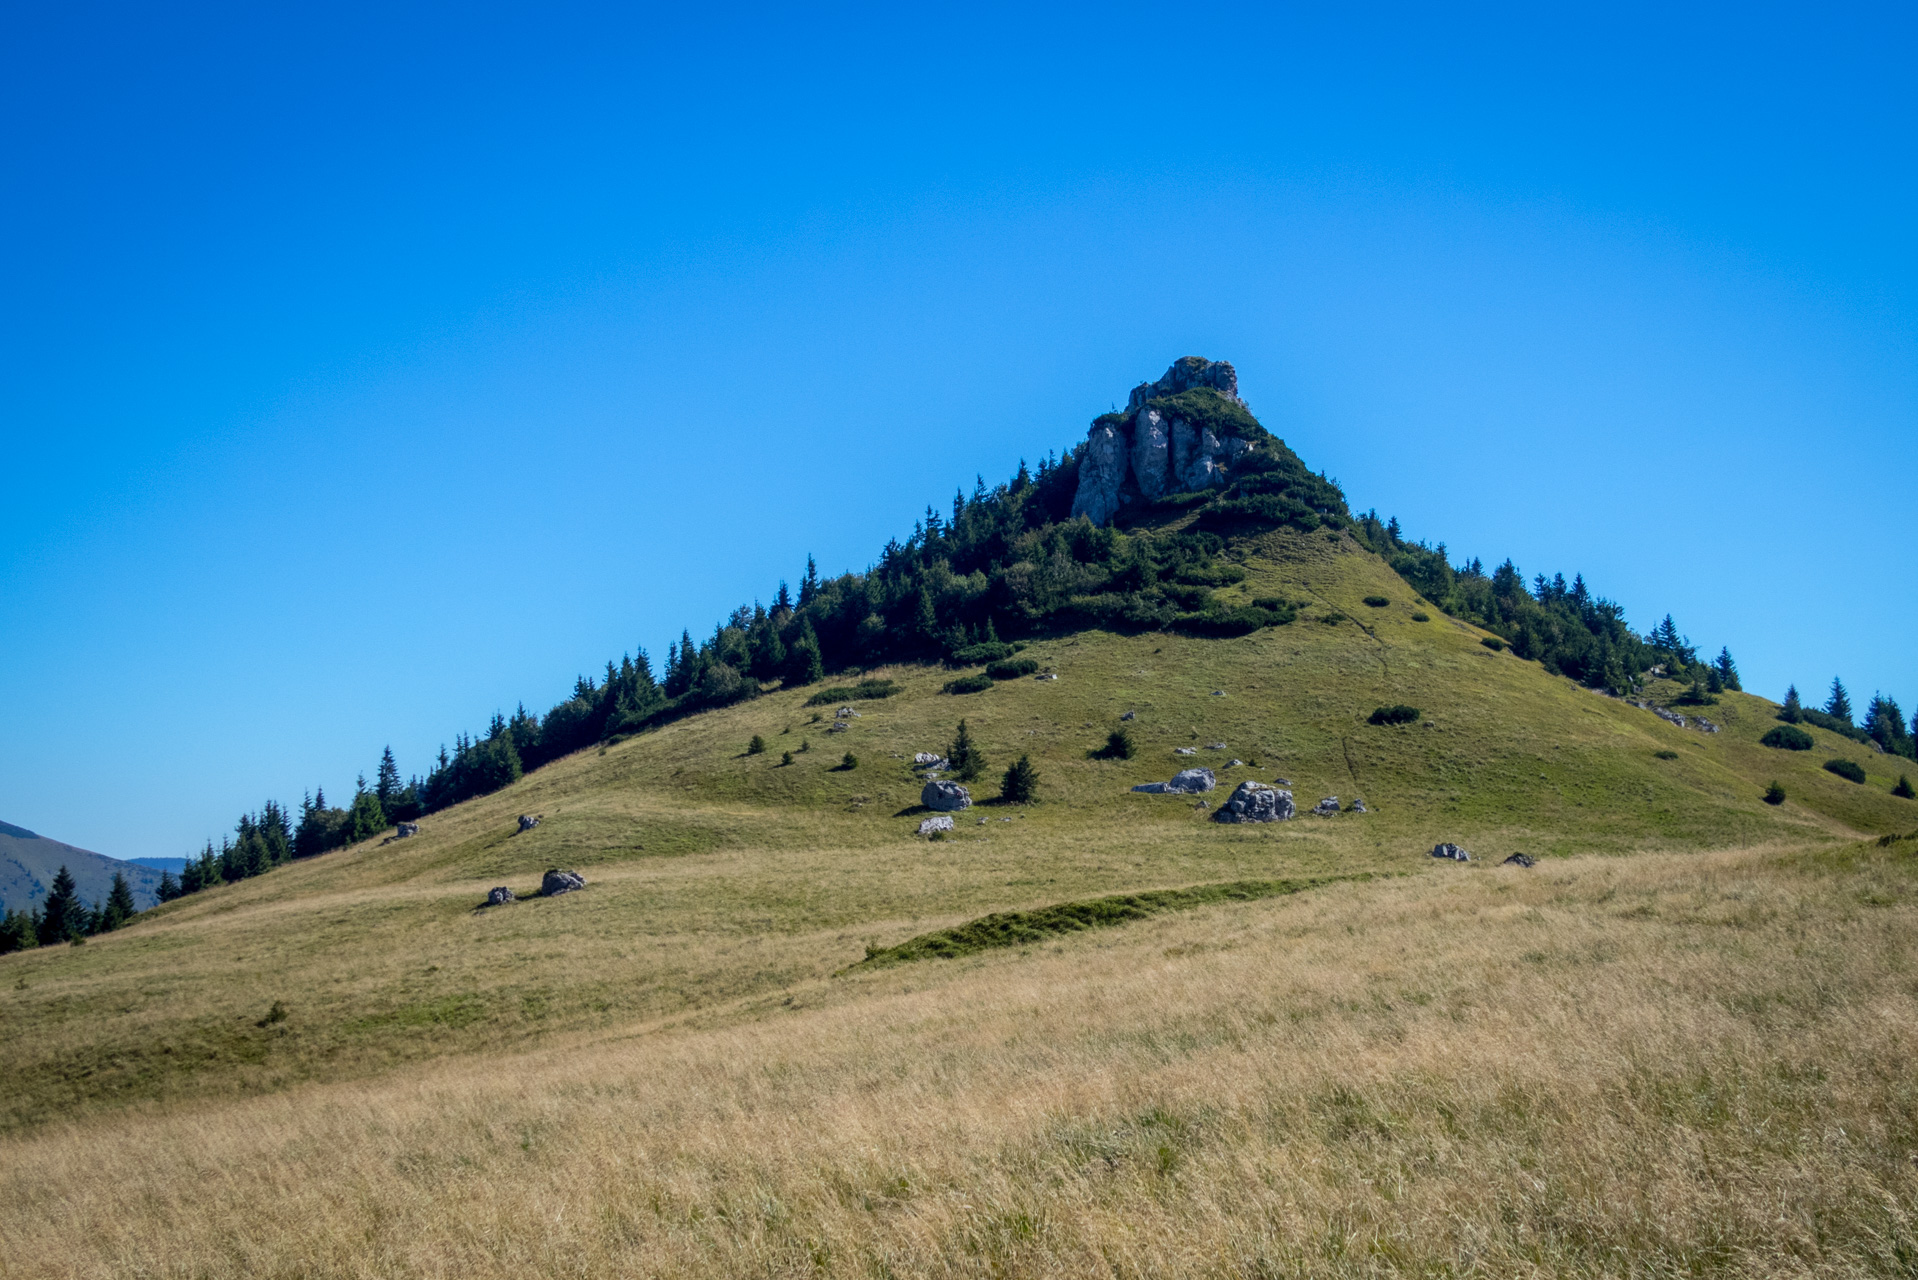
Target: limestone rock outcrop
[
  {"x": 556, "y": 881},
  {"x": 499, "y": 896},
  {"x": 1144, "y": 453},
  {"x": 1256, "y": 802},
  {"x": 1184, "y": 782},
  {"x": 946, "y": 797}
]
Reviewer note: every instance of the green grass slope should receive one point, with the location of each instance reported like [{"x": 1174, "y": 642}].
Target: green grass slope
[{"x": 725, "y": 885}]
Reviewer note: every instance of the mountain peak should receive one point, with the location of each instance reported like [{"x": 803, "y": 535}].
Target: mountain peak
[{"x": 1181, "y": 434}]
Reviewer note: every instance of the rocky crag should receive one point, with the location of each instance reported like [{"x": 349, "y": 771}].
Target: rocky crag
[{"x": 1181, "y": 434}]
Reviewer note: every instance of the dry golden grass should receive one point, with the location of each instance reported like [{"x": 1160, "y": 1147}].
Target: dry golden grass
[{"x": 1666, "y": 1065}]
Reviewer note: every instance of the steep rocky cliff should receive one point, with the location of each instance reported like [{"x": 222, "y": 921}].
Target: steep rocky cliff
[{"x": 1181, "y": 434}]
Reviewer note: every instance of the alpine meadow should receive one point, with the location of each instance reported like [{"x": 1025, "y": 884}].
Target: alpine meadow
[{"x": 1150, "y": 866}]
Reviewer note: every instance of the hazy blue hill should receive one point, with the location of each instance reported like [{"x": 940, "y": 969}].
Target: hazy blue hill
[{"x": 28, "y": 862}]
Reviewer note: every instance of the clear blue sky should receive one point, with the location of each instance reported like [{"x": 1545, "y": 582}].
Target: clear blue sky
[{"x": 367, "y": 370}]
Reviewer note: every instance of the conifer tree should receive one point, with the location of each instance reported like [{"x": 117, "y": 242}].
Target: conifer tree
[
  {"x": 62, "y": 915},
  {"x": 1793, "y": 710},
  {"x": 1838, "y": 706},
  {"x": 119, "y": 907},
  {"x": 169, "y": 887},
  {"x": 1021, "y": 783},
  {"x": 18, "y": 931},
  {"x": 1727, "y": 669},
  {"x": 967, "y": 761},
  {"x": 386, "y": 786}
]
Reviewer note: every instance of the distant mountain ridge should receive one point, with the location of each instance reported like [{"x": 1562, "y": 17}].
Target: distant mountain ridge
[{"x": 29, "y": 861}]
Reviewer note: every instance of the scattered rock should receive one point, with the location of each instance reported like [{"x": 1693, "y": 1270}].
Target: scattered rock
[
  {"x": 984, "y": 821},
  {"x": 1521, "y": 860},
  {"x": 528, "y": 821},
  {"x": 940, "y": 823},
  {"x": 1327, "y": 808},
  {"x": 1451, "y": 851},
  {"x": 1047, "y": 675},
  {"x": 928, "y": 760},
  {"x": 838, "y": 726},
  {"x": 1185, "y": 751},
  {"x": 406, "y": 829},
  {"x": 1256, "y": 802},
  {"x": 556, "y": 882},
  {"x": 1281, "y": 782},
  {"x": 846, "y": 713},
  {"x": 1709, "y": 727},
  {"x": 1130, "y": 715},
  {"x": 1357, "y": 806},
  {"x": 499, "y": 896},
  {"x": 1215, "y": 746},
  {"x": 1233, "y": 763},
  {"x": 1218, "y": 693},
  {"x": 945, "y": 796}
]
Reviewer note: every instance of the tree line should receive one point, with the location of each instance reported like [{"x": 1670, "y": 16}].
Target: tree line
[{"x": 65, "y": 917}]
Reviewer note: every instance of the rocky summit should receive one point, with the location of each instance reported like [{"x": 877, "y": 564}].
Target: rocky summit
[{"x": 1165, "y": 442}]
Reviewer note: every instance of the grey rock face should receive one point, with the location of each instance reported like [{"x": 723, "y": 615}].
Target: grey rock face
[
  {"x": 1189, "y": 780},
  {"x": 556, "y": 882},
  {"x": 1102, "y": 471},
  {"x": 947, "y": 797},
  {"x": 527, "y": 821},
  {"x": 1451, "y": 851},
  {"x": 940, "y": 823},
  {"x": 1521, "y": 860},
  {"x": 1151, "y": 437},
  {"x": 1327, "y": 808},
  {"x": 1148, "y": 454},
  {"x": 499, "y": 896},
  {"x": 406, "y": 829},
  {"x": 1256, "y": 802}
]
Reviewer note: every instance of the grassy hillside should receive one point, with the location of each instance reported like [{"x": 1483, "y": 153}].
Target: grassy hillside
[{"x": 1158, "y": 1085}]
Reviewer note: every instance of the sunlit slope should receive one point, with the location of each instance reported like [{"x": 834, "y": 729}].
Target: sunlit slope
[{"x": 723, "y": 883}]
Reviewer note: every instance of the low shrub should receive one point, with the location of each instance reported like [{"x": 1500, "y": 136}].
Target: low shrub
[
  {"x": 1788, "y": 737},
  {"x": 847, "y": 763},
  {"x": 974, "y": 654},
  {"x": 1903, "y": 790},
  {"x": 1011, "y": 668},
  {"x": 1273, "y": 604},
  {"x": 1665, "y": 755},
  {"x": 1377, "y": 602},
  {"x": 1333, "y": 619},
  {"x": 1400, "y": 714},
  {"x": 1493, "y": 643},
  {"x": 1774, "y": 794},
  {"x": 865, "y": 690},
  {"x": 1845, "y": 769},
  {"x": 757, "y": 746},
  {"x": 968, "y": 684},
  {"x": 786, "y": 759},
  {"x": 1421, "y": 616},
  {"x": 1119, "y": 746}
]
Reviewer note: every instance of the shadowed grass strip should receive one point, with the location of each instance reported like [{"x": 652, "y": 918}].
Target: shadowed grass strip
[{"x": 1017, "y": 928}]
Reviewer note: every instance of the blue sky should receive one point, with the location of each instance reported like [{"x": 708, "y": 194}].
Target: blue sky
[{"x": 367, "y": 370}]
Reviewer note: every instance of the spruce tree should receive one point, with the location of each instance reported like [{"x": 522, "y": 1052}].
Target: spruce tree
[
  {"x": 967, "y": 761},
  {"x": 63, "y": 915},
  {"x": 386, "y": 783},
  {"x": 1021, "y": 783},
  {"x": 1793, "y": 710},
  {"x": 757, "y": 746},
  {"x": 169, "y": 887},
  {"x": 1903, "y": 790},
  {"x": 1838, "y": 706},
  {"x": 120, "y": 906},
  {"x": 1727, "y": 669},
  {"x": 17, "y": 932}
]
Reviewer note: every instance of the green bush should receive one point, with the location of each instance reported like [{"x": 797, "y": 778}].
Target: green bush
[
  {"x": 968, "y": 684},
  {"x": 1011, "y": 668},
  {"x": 1421, "y": 616},
  {"x": 786, "y": 759},
  {"x": 1119, "y": 746},
  {"x": 1788, "y": 737},
  {"x": 1774, "y": 794},
  {"x": 847, "y": 763},
  {"x": 1665, "y": 755},
  {"x": 757, "y": 746},
  {"x": 1399, "y": 714},
  {"x": 1903, "y": 790},
  {"x": 974, "y": 654},
  {"x": 1845, "y": 769},
  {"x": 1377, "y": 602},
  {"x": 1493, "y": 643},
  {"x": 864, "y": 691}
]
